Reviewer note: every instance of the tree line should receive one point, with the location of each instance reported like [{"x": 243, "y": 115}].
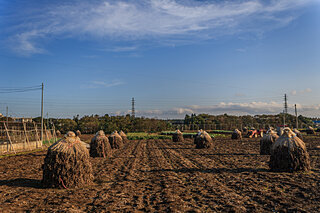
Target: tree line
[{"x": 90, "y": 124}]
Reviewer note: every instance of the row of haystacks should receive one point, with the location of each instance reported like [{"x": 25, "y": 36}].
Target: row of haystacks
[
  {"x": 67, "y": 163},
  {"x": 288, "y": 152}
]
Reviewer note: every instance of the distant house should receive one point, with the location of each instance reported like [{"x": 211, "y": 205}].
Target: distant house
[
  {"x": 26, "y": 120},
  {"x": 1, "y": 116}
]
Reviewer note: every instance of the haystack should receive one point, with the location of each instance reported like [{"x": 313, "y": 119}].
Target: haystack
[
  {"x": 177, "y": 136},
  {"x": 123, "y": 136},
  {"x": 198, "y": 133},
  {"x": 58, "y": 133},
  {"x": 100, "y": 146},
  {"x": 78, "y": 133},
  {"x": 298, "y": 133},
  {"x": 203, "y": 140},
  {"x": 266, "y": 142},
  {"x": 115, "y": 140},
  {"x": 236, "y": 134},
  {"x": 279, "y": 130},
  {"x": 310, "y": 131},
  {"x": 289, "y": 153},
  {"x": 67, "y": 164}
]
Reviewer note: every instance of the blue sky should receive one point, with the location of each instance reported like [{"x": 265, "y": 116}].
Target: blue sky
[{"x": 174, "y": 57}]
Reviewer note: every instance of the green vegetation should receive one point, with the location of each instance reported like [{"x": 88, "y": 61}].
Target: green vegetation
[
  {"x": 48, "y": 142},
  {"x": 146, "y": 136},
  {"x": 223, "y": 124}
]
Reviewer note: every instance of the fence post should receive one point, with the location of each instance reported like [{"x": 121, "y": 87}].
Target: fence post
[
  {"x": 35, "y": 127},
  {"x": 8, "y": 135},
  {"x": 25, "y": 133}
]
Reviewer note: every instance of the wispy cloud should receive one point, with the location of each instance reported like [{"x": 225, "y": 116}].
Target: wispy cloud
[
  {"x": 122, "y": 49},
  {"x": 248, "y": 108},
  {"x": 301, "y": 92},
  {"x": 167, "y": 21},
  {"x": 99, "y": 84}
]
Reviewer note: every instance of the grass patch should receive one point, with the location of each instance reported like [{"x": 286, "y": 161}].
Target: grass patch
[
  {"x": 48, "y": 142},
  {"x": 20, "y": 153}
]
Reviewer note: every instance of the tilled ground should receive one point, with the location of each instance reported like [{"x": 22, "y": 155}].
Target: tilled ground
[{"x": 163, "y": 176}]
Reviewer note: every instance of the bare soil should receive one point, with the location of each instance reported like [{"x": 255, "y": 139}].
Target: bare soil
[{"x": 163, "y": 176}]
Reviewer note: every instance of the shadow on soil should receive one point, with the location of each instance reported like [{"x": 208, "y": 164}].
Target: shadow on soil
[
  {"x": 231, "y": 154},
  {"x": 215, "y": 170},
  {"x": 22, "y": 182}
]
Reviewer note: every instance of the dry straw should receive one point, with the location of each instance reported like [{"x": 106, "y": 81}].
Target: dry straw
[
  {"x": 100, "y": 146},
  {"x": 298, "y": 133},
  {"x": 123, "y": 136},
  {"x": 177, "y": 136},
  {"x": 267, "y": 141},
  {"x": 310, "y": 131},
  {"x": 203, "y": 140},
  {"x": 236, "y": 134},
  {"x": 289, "y": 153},
  {"x": 67, "y": 164},
  {"x": 115, "y": 140}
]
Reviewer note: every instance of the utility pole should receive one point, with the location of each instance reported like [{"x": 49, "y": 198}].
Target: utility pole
[
  {"x": 133, "y": 113},
  {"x": 285, "y": 109},
  {"x": 296, "y": 112},
  {"x": 42, "y": 112},
  {"x": 7, "y": 114}
]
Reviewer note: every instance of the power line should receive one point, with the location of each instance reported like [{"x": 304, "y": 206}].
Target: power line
[{"x": 18, "y": 89}]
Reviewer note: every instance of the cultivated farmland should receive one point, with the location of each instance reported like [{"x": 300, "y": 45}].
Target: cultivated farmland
[{"x": 161, "y": 175}]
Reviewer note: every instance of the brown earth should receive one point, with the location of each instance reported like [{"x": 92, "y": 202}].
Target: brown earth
[{"x": 164, "y": 176}]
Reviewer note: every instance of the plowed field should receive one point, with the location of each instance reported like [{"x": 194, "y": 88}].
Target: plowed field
[{"x": 163, "y": 176}]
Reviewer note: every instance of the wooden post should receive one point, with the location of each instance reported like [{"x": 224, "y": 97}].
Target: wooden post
[
  {"x": 8, "y": 135},
  {"x": 26, "y": 135},
  {"x": 54, "y": 132},
  {"x": 37, "y": 136},
  {"x": 45, "y": 129}
]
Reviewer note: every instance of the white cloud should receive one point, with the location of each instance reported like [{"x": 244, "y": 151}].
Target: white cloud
[
  {"x": 250, "y": 108},
  {"x": 97, "y": 84},
  {"x": 301, "y": 92},
  {"x": 167, "y": 21}
]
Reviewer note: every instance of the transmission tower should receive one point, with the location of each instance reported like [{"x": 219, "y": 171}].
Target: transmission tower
[
  {"x": 285, "y": 111},
  {"x": 133, "y": 113}
]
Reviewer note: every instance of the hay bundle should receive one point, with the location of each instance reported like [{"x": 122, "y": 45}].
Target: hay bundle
[
  {"x": 67, "y": 164},
  {"x": 279, "y": 131},
  {"x": 236, "y": 134},
  {"x": 58, "y": 133},
  {"x": 78, "y": 133},
  {"x": 123, "y": 136},
  {"x": 203, "y": 140},
  {"x": 115, "y": 140},
  {"x": 198, "y": 133},
  {"x": 177, "y": 136},
  {"x": 100, "y": 146},
  {"x": 267, "y": 141},
  {"x": 289, "y": 153},
  {"x": 252, "y": 133},
  {"x": 298, "y": 133},
  {"x": 310, "y": 131},
  {"x": 261, "y": 133}
]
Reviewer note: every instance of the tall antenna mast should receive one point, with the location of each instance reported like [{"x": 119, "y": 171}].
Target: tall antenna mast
[
  {"x": 285, "y": 109},
  {"x": 133, "y": 113}
]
